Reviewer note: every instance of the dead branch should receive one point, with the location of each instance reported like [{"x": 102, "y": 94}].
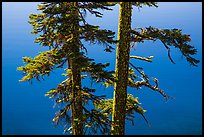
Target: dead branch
[
  {"x": 146, "y": 83},
  {"x": 148, "y": 59}
]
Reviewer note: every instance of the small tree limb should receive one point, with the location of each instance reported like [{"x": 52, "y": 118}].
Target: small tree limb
[
  {"x": 168, "y": 52},
  {"x": 148, "y": 59},
  {"x": 146, "y": 83}
]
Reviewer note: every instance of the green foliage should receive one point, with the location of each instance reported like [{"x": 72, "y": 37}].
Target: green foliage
[
  {"x": 140, "y": 4},
  {"x": 54, "y": 26},
  {"x": 97, "y": 71},
  {"x": 92, "y": 6},
  {"x": 40, "y": 65},
  {"x": 169, "y": 37},
  {"x": 93, "y": 119},
  {"x": 97, "y": 121},
  {"x": 133, "y": 105},
  {"x": 93, "y": 34}
]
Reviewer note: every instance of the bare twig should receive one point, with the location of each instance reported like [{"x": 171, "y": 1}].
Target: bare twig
[
  {"x": 146, "y": 120},
  {"x": 147, "y": 84},
  {"x": 138, "y": 70},
  {"x": 148, "y": 59}
]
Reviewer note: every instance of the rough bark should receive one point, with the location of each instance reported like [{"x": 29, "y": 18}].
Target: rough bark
[
  {"x": 76, "y": 107},
  {"x": 122, "y": 61}
]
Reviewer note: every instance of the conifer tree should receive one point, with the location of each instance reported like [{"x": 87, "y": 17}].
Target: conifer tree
[
  {"x": 123, "y": 105},
  {"x": 59, "y": 23},
  {"x": 62, "y": 27},
  {"x": 121, "y": 71}
]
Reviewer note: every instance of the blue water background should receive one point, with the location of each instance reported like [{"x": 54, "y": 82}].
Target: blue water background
[{"x": 25, "y": 109}]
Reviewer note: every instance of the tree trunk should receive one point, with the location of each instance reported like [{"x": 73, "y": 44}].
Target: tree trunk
[
  {"x": 122, "y": 65},
  {"x": 76, "y": 107}
]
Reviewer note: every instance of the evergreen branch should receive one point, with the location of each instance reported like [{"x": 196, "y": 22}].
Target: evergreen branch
[
  {"x": 168, "y": 52},
  {"x": 90, "y": 6},
  {"x": 105, "y": 106},
  {"x": 93, "y": 34},
  {"x": 82, "y": 17},
  {"x": 88, "y": 96},
  {"x": 40, "y": 65},
  {"x": 140, "y": 4},
  {"x": 97, "y": 71},
  {"x": 62, "y": 64},
  {"x": 62, "y": 115},
  {"x": 169, "y": 37},
  {"x": 83, "y": 47},
  {"x": 140, "y": 34},
  {"x": 97, "y": 120}
]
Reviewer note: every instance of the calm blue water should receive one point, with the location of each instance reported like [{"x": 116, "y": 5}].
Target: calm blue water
[{"x": 25, "y": 109}]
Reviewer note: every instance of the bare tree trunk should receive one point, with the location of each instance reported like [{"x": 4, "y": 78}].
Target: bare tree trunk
[{"x": 122, "y": 65}]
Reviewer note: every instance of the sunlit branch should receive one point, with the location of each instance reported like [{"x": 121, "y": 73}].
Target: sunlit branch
[{"x": 148, "y": 59}]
